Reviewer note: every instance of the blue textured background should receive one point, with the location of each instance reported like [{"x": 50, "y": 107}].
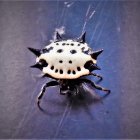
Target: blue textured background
[{"x": 114, "y": 27}]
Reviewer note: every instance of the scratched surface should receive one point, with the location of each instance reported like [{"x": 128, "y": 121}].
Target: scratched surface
[{"x": 111, "y": 25}]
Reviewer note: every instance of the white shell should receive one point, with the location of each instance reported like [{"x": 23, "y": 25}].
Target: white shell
[{"x": 78, "y": 59}]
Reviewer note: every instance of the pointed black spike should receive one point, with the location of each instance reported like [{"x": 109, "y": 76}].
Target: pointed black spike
[
  {"x": 37, "y": 65},
  {"x": 82, "y": 39},
  {"x": 94, "y": 55},
  {"x": 37, "y": 52},
  {"x": 58, "y": 36}
]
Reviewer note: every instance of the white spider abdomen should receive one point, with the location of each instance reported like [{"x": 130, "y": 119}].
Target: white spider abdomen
[{"x": 66, "y": 59}]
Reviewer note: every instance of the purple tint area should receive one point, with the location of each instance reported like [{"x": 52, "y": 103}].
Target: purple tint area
[{"x": 110, "y": 25}]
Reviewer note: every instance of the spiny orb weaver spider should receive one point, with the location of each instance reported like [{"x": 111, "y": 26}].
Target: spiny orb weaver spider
[{"x": 67, "y": 62}]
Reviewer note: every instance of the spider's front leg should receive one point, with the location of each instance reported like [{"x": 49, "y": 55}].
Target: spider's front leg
[
  {"x": 95, "y": 86},
  {"x": 43, "y": 89},
  {"x": 96, "y": 75}
]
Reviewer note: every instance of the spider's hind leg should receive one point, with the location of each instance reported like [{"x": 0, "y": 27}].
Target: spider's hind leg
[
  {"x": 96, "y": 86},
  {"x": 43, "y": 89}
]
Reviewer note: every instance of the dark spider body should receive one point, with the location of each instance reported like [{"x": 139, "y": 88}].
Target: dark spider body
[{"x": 67, "y": 62}]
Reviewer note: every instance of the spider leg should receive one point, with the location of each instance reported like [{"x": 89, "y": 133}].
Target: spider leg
[
  {"x": 96, "y": 75},
  {"x": 43, "y": 89},
  {"x": 95, "y": 86},
  {"x": 63, "y": 92}
]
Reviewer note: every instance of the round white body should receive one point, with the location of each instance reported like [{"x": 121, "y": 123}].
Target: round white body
[{"x": 66, "y": 59}]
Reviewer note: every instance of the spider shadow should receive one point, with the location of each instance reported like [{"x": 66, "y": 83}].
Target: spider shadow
[
  {"x": 89, "y": 97},
  {"x": 84, "y": 99}
]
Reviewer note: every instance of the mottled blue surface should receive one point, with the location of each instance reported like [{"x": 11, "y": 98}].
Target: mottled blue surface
[{"x": 110, "y": 25}]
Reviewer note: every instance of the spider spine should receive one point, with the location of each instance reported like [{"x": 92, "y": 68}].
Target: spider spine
[
  {"x": 82, "y": 38},
  {"x": 58, "y": 36},
  {"x": 37, "y": 52},
  {"x": 37, "y": 65},
  {"x": 95, "y": 54}
]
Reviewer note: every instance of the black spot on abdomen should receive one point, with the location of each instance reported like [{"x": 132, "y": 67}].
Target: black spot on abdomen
[
  {"x": 69, "y": 72},
  {"x": 60, "y": 61},
  {"x": 56, "y": 70},
  {"x": 73, "y": 72},
  {"x": 70, "y": 61},
  {"x": 85, "y": 52},
  {"x": 78, "y": 68},
  {"x": 88, "y": 64},
  {"x": 43, "y": 63},
  {"x": 47, "y": 50},
  {"x": 61, "y": 71},
  {"x": 59, "y": 50},
  {"x": 52, "y": 67},
  {"x": 73, "y": 51}
]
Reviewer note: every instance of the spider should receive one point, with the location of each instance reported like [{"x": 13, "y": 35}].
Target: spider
[{"x": 67, "y": 62}]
